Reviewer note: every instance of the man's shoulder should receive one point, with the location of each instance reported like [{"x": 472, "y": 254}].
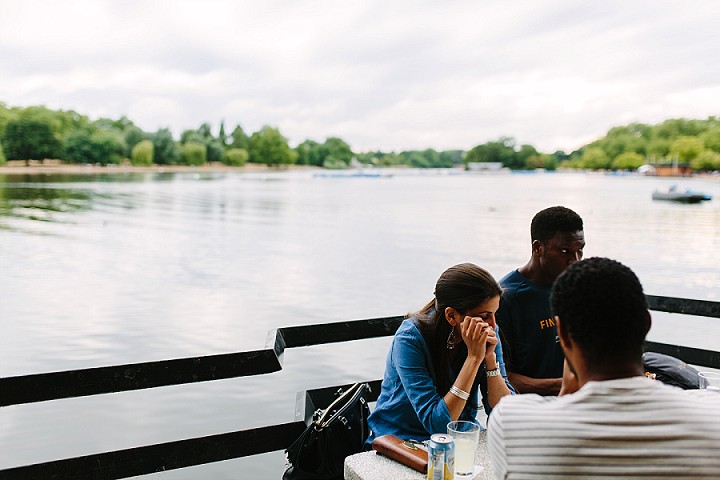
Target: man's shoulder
[
  {"x": 516, "y": 287},
  {"x": 642, "y": 390},
  {"x": 512, "y": 284},
  {"x": 516, "y": 281},
  {"x": 510, "y": 278}
]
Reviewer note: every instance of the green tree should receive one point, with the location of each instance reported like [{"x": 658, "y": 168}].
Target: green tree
[
  {"x": 61, "y": 122},
  {"x": 640, "y": 130},
  {"x": 679, "y": 127},
  {"x": 193, "y": 153},
  {"x": 427, "y": 158},
  {"x": 620, "y": 140},
  {"x": 502, "y": 150},
  {"x": 100, "y": 147},
  {"x": 338, "y": 152},
  {"x": 451, "y": 157},
  {"x": 142, "y": 153},
  {"x": 711, "y": 139},
  {"x": 366, "y": 158},
  {"x": 119, "y": 125},
  {"x": 3, "y": 160},
  {"x": 549, "y": 162},
  {"x": 687, "y": 148},
  {"x": 435, "y": 160},
  {"x": 6, "y": 114},
  {"x": 205, "y": 131},
  {"x": 310, "y": 153},
  {"x": 658, "y": 147},
  {"x": 239, "y": 138},
  {"x": 268, "y": 146},
  {"x": 595, "y": 158},
  {"x": 27, "y": 139},
  {"x": 237, "y": 157},
  {"x": 391, "y": 159},
  {"x": 222, "y": 136},
  {"x": 214, "y": 148},
  {"x": 541, "y": 160},
  {"x": 706, "y": 160},
  {"x": 133, "y": 135},
  {"x": 166, "y": 151},
  {"x": 628, "y": 161},
  {"x": 191, "y": 136},
  {"x": 214, "y": 151},
  {"x": 415, "y": 159},
  {"x": 560, "y": 156}
]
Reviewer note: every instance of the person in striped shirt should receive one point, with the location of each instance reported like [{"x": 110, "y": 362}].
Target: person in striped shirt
[{"x": 614, "y": 422}]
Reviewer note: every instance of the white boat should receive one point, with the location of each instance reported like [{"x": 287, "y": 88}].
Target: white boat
[{"x": 672, "y": 194}]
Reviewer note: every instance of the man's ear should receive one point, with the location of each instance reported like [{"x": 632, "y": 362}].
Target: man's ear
[
  {"x": 649, "y": 322},
  {"x": 538, "y": 248},
  {"x": 563, "y": 336}
]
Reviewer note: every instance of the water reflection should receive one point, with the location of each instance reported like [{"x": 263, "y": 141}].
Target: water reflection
[
  {"x": 29, "y": 200},
  {"x": 36, "y": 202}
]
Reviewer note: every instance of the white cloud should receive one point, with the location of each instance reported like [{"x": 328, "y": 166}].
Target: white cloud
[{"x": 389, "y": 75}]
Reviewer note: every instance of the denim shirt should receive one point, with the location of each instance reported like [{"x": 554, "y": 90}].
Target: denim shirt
[{"x": 409, "y": 405}]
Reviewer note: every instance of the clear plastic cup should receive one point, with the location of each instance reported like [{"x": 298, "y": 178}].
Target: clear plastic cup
[
  {"x": 465, "y": 435},
  {"x": 710, "y": 381}
]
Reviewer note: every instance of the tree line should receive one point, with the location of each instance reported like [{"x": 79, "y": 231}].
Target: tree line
[{"x": 37, "y": 133}]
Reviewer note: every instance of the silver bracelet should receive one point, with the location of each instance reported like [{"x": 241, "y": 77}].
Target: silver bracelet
[
  {"x": 462, "y": 394},
  {"x": 495, "y": 372}
]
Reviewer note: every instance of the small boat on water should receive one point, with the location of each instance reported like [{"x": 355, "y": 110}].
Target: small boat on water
[{"x": 672, "y": 194}]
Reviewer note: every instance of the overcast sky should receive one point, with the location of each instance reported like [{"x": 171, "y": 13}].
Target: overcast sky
[{"x": 381, "y": 74}]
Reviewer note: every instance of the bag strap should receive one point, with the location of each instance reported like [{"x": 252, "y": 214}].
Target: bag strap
[{"x": 351, "y": 392}]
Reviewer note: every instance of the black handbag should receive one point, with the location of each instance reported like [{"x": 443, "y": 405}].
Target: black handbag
[{"x": 336, "y": 432}]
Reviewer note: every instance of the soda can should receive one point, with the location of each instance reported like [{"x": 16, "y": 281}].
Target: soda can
[{"x": 441, "y": 457}]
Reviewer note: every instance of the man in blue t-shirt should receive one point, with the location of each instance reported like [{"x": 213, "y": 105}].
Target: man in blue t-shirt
[{"x": 534, "y": 359}]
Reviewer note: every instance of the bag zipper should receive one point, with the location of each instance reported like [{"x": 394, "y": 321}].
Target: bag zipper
[{"x": 353, "y": 391}]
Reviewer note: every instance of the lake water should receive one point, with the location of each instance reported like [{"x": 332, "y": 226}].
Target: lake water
[{"x": 110, "y": 269}]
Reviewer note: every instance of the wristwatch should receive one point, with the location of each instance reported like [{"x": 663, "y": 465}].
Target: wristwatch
[{"x": 495, "y": 372}]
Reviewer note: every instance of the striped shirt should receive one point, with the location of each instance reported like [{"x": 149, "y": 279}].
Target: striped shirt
[{"x": 627, "y": 428}]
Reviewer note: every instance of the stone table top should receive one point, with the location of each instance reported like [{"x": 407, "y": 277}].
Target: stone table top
[{"x": 371, "y": 466}]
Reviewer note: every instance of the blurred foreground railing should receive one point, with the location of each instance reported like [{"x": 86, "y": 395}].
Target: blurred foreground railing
[{"x": 224, "y": 446}]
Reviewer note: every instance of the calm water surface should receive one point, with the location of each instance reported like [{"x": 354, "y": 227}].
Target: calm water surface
[{"x": 109, "y": 269}]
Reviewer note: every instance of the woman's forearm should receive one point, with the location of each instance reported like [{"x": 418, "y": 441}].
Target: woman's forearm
[
  {"x": 497, "y": 388},
  {"x": 463, "y": 382}
]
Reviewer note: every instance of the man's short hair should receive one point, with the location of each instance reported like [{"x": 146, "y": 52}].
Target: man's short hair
[
  {"x": 602, "y": 307},
  {"x": 546, "y": 223}
]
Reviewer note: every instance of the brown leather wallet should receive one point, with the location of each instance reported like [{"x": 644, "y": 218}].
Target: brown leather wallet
[{"x": 402, "y": 451}]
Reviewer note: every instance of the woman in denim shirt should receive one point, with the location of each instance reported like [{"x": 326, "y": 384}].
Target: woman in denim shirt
[{"x": 441, "y": 358}]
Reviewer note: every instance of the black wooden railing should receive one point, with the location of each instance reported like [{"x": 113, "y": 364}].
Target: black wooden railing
[{"x": 196, "y": 451}]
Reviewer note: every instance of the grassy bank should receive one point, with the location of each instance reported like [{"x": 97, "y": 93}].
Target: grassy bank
[{"x": 57, "y": 167}]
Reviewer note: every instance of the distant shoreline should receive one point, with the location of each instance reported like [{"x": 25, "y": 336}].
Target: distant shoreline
[
  {"x": 55, "y": 167},
  {"x": 37, "y": 168}
]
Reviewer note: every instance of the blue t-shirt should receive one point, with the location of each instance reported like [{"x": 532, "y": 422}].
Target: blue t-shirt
[
  {"x": 527, "y": 328},
  {"x": 409, "y": 405}
]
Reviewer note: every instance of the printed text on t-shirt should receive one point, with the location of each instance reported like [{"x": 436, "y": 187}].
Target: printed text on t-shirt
[{"x": 547, "y": 323}]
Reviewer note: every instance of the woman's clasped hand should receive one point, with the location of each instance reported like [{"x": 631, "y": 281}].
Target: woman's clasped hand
[{"x": 478, "y": 335}]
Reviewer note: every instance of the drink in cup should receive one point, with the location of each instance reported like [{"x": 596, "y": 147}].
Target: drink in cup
[{"x": 466, "y": 435}]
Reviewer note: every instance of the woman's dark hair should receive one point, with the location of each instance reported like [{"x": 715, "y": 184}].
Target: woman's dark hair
[
  {"x": 546, "y": 223},
  {"x": 462, "y": 287},
  {"x": 602, "y": 307}
]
